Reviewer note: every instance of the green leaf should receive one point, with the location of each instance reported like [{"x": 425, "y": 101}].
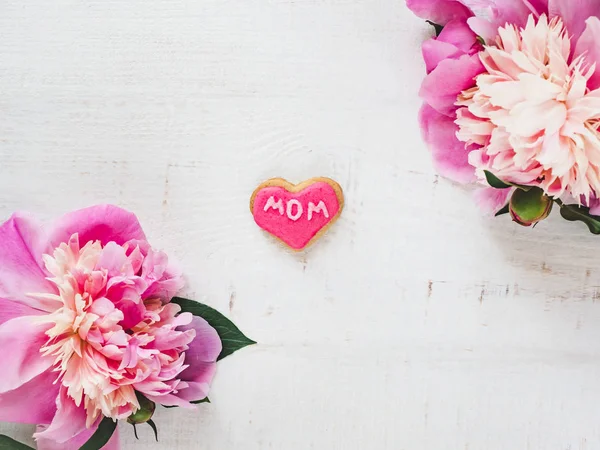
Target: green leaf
[
  {"x": 7, "y": 443},
  {"x": 580, "y": 213},
  {"x": 231, "y": 336},
  {"x": 102, "y": 435},
  {"x": 497, "y": 183},
  {"x": 503, "y": 211},
  {"x": 437, "y": 26},
  {"x": 494, "y": 181}
]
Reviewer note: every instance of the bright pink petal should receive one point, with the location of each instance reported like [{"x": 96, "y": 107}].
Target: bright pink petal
[
  {"x": 540, "y": 6},
  {"x": 104, "y": 223},
  {"x": 68, "y": 422},
  {"x": 439, "y": 11},
  {"x": 588, "y": 45},
  {"x": 455, "y": 40},
  {"x": 435, "y": 51},
  {"x": 21, "y": 268},
  {"x": 441, "y": 87},
  {"x": 491, "y": 200},
  {"x": 450, "y": 156},
  {"x": 498, "y": 13},
  {"x": 34, "y": 402},
  {"x": 514, "y": 12},
  {"x": 205, "y": 347},
  {"x": 20, "y": 340},
  {"x": 201, "y": 357},
  {"x": 574, "y": 13},
  {"x": 11, "y": 310},
  {"x": 133, "y": 313},
  {"x": 76, "y": 442},
  {"x": 459, "y": 34},
  {"x": 125, "y": 295}
]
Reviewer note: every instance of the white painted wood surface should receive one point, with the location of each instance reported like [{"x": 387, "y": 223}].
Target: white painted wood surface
[{"x": 414, "y": 324}]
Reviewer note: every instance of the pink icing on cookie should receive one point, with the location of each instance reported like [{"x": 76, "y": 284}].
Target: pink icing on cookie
[{"x": 295, "y": 218}]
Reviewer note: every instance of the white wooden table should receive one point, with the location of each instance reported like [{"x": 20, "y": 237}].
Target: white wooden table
[{"x": 414, "y": 324}]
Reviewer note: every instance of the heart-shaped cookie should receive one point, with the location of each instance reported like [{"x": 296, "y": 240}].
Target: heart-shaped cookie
[{"x": 297, "y": 214}]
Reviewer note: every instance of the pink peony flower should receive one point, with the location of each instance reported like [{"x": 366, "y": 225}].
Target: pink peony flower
[
  {"x": 85, "y": 323},
  {"x": 513, "y": 88}
]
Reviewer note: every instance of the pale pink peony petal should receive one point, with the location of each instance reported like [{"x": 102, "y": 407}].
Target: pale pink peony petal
[
  {"x": 163, "y": 276},
  {"x": 114, "y": 260},
  {"x": 439, "y": 11},
  {"x": 492, "y": 200},
  {"x": 574, "y": 13},
  {"x": 205, "y": 347},
  {"x": 450, "y": 156},
  {"x": 532, "y": 113},
  {"x": 483, "y": 28},
  {"x": 588, "y": 45},
  {"x": 104, "y": 223},
  {"x": 21, "y": 267},
  {"x": 76, "y": 442},
  {"x": 11, "y": 310},
  {"x": 111, "y": 328},
  {"x": 166, "y": 288},
  {"x": 34, "y": 402},
  {"x": 441, "y": 87},
  {"x": 201, "y": 358},
  {"x": 21, "y": 340},
  {"x": 198, "y": 390},
  {"x": 68, "y": 422},
  {"x": 593, "y": 204}
]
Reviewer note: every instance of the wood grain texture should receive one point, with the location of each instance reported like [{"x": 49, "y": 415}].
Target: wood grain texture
[{"x": 414, "y": 324}]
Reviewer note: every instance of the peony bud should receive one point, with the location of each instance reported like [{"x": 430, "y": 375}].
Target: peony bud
[
  {"x": 530, "y": 207},
  {"x": 145, "y": 413}
]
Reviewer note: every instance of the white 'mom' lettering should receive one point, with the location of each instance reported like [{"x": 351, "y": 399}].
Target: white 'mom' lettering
[
  {"x": 320, "y": 208},
  {"x": 299, "y": 209},
  {"x": 271, "y": 203}
]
